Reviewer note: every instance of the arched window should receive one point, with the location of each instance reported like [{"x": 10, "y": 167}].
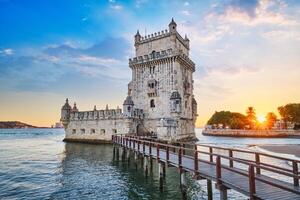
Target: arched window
[
  {"x": 152, "y": 104},
  {"x": 153, "y": 54},
  {"x": 128, "y": 108}
]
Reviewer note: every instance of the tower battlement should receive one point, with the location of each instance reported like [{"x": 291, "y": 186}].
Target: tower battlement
[{"x": 161, "y": 41}]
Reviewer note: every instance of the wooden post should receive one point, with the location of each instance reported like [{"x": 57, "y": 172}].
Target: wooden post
[
  {"x": 211, "y": 158},
  {"x": 295, "y": 172},
  {"x": 167, "y": 154},
  {"x": 117, "y": 153},
  {"x": 134, "y": 144},
  {"x": 257, "y": 161},
  {"x": 251, "y": 182},
  {"x": 183, "y": 149},
  {"x": 183, "y": 185},
  {"x": 123, "y": 153},
  {"x": 222, "y": 188},
  {"x": 209, "y": 190},
  {"x": 157, "y": 151},
  {"x": 218, "y": 170},
  {"x": 146, "y": 166},
  {"x": 128, "y": 157},
  {"x": 135, "y": 159},
  {"x": 151, "y": 164},
  {"x": 160, "y": 174},
  {"x": 150, "y": 149},
  {"x": 230, "y": 156},
  {"x": 144, "y": 147},
  {"x": 138, "y": 143},
  {"x": 179, "y": 157},
  {"x": 114, "y": 151},
  {"x": 196, "y": 162},
  {"x": 164, "y": 170},
  {"x": 223, "y": 194}
]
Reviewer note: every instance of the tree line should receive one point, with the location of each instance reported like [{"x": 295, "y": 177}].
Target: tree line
[{"x": 289, "y": 114}]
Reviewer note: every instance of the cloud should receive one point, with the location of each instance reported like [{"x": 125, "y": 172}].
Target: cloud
[
  {"x": 6, "y": 52},
  {"x": 185, "y": 12},
  {"x": 108, "y": 48},
  {"x": 56, "y": 65},
  {"x": 116, "y": 7},
  {"x": 251, "y": 13},
  {"x": 230, "y": 70},
  {"x": 186, "y": 3},
  {"x": 206, "y": 33},
  {"x": 279, "y": 35}
]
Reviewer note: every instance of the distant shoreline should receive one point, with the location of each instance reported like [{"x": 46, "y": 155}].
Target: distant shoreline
[
  {"x": 252, "y": 133},
  {"x": 32, "y": 128},
  {"x": 16, "y": 125}
]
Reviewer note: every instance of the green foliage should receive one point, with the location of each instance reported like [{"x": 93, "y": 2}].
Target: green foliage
[
  {"x": 251, "y": 117},
  {"x": 270, "y": 120},
  {"x": 227, "y": 118},
  {"x": 290, "y": 113}
]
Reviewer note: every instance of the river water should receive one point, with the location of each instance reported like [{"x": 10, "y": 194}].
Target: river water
[{"x": 36, "y": 164}]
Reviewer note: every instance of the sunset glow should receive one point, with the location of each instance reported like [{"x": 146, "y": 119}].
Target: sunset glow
[
  {"x": 261, "y": 119},
  {"x": 246, "y": 54}
]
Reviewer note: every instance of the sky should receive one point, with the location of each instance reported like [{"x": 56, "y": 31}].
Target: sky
[{"x": 247, "y": 53}]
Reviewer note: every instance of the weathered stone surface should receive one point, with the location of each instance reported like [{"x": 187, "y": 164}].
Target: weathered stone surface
[{"x": 160, "y": 97}]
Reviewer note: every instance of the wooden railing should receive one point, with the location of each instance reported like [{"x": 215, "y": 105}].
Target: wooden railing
[{"x": 254, "y": 171}]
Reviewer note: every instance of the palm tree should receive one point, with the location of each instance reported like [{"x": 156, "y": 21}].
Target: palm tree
[
  {"x": 251, "y": 117},
  {"x": 270, "y": 119}
]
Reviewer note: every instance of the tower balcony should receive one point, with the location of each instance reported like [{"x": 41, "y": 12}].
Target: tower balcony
[{"x": 152, "y": 92}]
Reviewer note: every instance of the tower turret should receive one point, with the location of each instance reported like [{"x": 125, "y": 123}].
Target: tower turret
[
  {"x": 65, "y": 113},
  {"x": 74, "y": 109},
  {"x": 187, "y": 41},
  {"x": 137, "y": 37},
  {"x": 172, "y": 26},
  {"x": 128, "y": 106}
]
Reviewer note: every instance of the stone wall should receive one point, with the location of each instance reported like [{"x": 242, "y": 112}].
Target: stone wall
[{"x": 101, "y": 130}]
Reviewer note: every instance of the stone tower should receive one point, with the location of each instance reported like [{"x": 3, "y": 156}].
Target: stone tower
[
  {"x": 65, "y": 113},
  {"x": 162, "y": 83}
]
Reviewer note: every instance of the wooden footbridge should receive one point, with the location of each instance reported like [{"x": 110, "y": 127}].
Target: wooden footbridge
[{"x": 251, "y": 177}]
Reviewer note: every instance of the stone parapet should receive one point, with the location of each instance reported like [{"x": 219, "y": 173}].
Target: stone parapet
[{"x": 158, "y": 56}]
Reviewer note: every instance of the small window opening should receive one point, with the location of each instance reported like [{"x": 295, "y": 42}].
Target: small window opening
[{"x": 152, "y": 104}]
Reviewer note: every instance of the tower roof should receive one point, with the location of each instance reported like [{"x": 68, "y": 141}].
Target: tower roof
[
  {"x": 172, "y": 22},
  {"x": 175, "y": 95},
  {"x": 128, "y": 101},
  {"x": 66, "y": 106},
  {"x": 74, "y": 107},
  {"x": 137, "y": 33}
]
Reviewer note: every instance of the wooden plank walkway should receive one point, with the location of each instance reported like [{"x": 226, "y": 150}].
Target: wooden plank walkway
[{"x": 248, "y": 182}]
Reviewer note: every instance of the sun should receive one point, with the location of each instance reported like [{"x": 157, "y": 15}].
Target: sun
[{"x": 261, "y": 118}]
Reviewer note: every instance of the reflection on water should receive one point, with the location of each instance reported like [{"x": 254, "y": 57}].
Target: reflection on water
[
  {"x": 89, "y": 171},
  {"x": 36, "y": 164}
]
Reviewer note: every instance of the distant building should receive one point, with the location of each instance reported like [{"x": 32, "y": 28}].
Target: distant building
[
  {"x": 280, "y": 124},
  {"x": 160, "y": 97},
  {"x": 58, "y": 125}
]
